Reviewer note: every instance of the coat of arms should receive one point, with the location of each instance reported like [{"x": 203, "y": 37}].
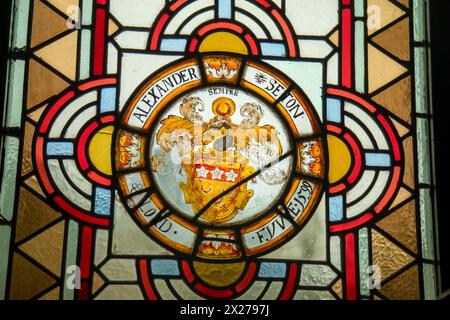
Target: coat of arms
[{"x": 219, "y": 157}]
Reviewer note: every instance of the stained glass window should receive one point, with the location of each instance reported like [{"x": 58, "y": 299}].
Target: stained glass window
[{"x": 217, "y": 149}]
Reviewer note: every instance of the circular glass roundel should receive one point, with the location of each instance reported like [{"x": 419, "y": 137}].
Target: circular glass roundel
[
  {"x": 216, "y": 139},
  {"x": 220, "y": 159}
]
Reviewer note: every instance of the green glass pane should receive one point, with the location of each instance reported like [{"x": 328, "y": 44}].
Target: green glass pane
[
  {"x": 16, "y": 71},
  {"x": 19, "y": 24},
  {"x": 421, "y": 80},
  {"x": 5, "y": 233},
  {"x": 360, "y": 57},
  {"x": 419, "y": 8},
  {"x": 85, "y": 54},
  {"x": 429, "y": 281},
  {"x": 423, "y": 150},
  {"x": 8, "y": 190},
  {"x": 364, "y": 262},
  {"x": 86, "y": 12},
  {"x": 71, "y": 259},
  {"x": 427, "y": 224}
]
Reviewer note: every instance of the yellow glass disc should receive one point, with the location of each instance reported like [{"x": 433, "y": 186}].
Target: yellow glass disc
[
  {"x": 219, "y": 275},
  {"x": 223, "y": 41},
  {"x": 340, "y": 159},
  {"x": 100, "y": 150}
]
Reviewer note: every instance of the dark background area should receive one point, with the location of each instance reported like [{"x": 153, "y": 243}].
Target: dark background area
[
  {"x": 440, "y": 55},
  {"x": 440, "y": 20}
]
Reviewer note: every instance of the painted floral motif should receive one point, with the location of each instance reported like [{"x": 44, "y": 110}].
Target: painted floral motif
[
  {"x": 219, "y": 245},
  {"x": 130, "y": 151},
  {"x": 310, "y": 158},
  {"x": 224, "y": 68}
]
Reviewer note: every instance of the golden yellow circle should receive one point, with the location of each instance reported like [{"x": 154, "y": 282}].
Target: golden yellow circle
[
  {"x": 219, "y": 275},
  {"x": 100, "y": 150},
  {"x": 224, "y": 107},
  {"x": 340, "y": 159},
  {"x": 224, "y": 42}
]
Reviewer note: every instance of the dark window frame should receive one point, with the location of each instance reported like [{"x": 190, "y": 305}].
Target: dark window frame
[{"x": 440, "y": 54}]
